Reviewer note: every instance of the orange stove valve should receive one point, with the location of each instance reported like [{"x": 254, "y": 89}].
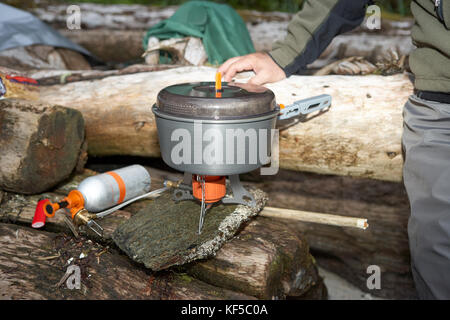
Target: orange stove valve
[
  {"x": 74, "y": 202},
  {"x": 214, "y": 186}
]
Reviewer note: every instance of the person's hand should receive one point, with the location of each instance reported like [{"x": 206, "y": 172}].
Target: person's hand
[{"x": 266, "y": 70}]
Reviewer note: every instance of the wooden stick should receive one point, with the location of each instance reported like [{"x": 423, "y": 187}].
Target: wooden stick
[{"x": 315, "y": 217}]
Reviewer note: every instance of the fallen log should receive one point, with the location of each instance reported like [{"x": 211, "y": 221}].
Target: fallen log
[
  {"x": 359, "y": 136},
  {"x": 39, "y": 144},
  {"x": 349, "y": 251},
  {"x": 126, "y": 45},
  {"x": 51, "y": 77},
  {"x": 346, "y": 251},
  {"x": 142, "y": 17},
  {"x": 113, "y": 17},
  {"x": 43, "y": 57},
  {"x": 33, "y": 265},
  {"x": 109, "y": 46},
  {"x": 266, "y": 260},
  {"x": 19, "y": 209}
]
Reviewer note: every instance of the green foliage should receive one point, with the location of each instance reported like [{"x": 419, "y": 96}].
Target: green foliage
[{"x": 400, "y": 7}]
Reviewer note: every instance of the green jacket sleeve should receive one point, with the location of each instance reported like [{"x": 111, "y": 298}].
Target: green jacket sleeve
[
  {"x": 442, "y": 8},
  {"x": 430, "y": 60},
  {"x": 313, "y": 28}
]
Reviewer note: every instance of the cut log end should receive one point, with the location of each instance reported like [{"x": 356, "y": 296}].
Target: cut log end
[{"x": 39, "y": 144}]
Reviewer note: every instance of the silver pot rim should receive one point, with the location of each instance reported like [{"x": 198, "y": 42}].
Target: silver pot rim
[{"x": 249, "y": 119}]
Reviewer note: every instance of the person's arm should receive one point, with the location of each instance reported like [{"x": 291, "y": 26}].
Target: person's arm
[
  {"x": 309, "y": 33},
  {"x": 312, "y": 29}
]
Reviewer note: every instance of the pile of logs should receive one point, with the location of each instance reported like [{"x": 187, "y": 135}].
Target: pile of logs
[
  {"x": 108, "y": 113},
  {"x": 255, "y": 264},
  {"x": 359, "y": 136},
  {"x": 43, "y": 57},
  {"x": 114, "y": 32}
]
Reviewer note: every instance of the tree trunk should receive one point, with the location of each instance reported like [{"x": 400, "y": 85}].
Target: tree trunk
[
  {"x": 349, "y": 251},
  {"x": 34, "y": 57},
  {"x": 108, "y": 45},
  {"x": 126, "y": 45},
  {"x": 39, "y": 144},
  {"x": 51, "y": 77},
  {"x": 32, "y": 264},
  {"x": 267, "y": 260},
  {"x": 360, "y": 135}
]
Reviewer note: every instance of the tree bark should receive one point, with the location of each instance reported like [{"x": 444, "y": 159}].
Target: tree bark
[
  {"x": 142, "y": 17},
  {"x": 109, "y": 45},
  {"x": 267, "y": 260},
  {"x": 33, "y": 262},
  {"x": 360, "y": 135},
  {"x": 34, "y": 57},
  {"x": 126, "y": 45},
  {"x": 39, "y": 144},
  {"x": 51, "y": 77},
  {"x": 349, "y": 251}
]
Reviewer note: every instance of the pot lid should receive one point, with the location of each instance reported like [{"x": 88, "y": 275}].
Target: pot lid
[{"x": 198, "y": 100}]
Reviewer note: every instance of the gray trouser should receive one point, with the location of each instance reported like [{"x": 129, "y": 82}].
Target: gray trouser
[{"x": 426, "y": 144}]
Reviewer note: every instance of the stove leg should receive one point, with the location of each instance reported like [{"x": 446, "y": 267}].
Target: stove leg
[
  {"x": 184, "y": 191},
  {"x": 240, "y": 194}
]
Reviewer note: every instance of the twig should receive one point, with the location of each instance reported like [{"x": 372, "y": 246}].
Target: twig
[
  {"x": 99, "y": 254},
  {"x": 64, "y": 278},
  {"x": 49, "y": 257},
  {"x": 71, "y": 226}
]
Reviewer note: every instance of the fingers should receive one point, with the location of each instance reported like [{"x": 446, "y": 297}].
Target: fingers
[
  {"x": 265, "y": 68},
  {"x": 258, "y": 79},
  {"x": 224, "y": 67},
  {"x": 240, "y": 65}
]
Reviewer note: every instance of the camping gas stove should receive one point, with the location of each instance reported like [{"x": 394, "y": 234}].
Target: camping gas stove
[{"x": 211, "y": 132}]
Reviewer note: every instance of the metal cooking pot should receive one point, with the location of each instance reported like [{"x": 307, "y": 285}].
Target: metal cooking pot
[{"x": 204, "y": 133}]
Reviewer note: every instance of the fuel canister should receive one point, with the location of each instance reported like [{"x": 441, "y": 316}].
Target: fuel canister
[
  {"x": 114, "y": 187},
  {"x": 104, "y": 191}
]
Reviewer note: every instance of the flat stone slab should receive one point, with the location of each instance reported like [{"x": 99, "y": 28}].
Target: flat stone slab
[{"x": 164, "y": 233}]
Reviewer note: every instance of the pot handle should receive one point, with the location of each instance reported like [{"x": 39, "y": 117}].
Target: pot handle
[{"x": 305, "y": 106}]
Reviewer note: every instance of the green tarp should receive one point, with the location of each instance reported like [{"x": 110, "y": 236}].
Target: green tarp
[{"x": 221, "y": 29}]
